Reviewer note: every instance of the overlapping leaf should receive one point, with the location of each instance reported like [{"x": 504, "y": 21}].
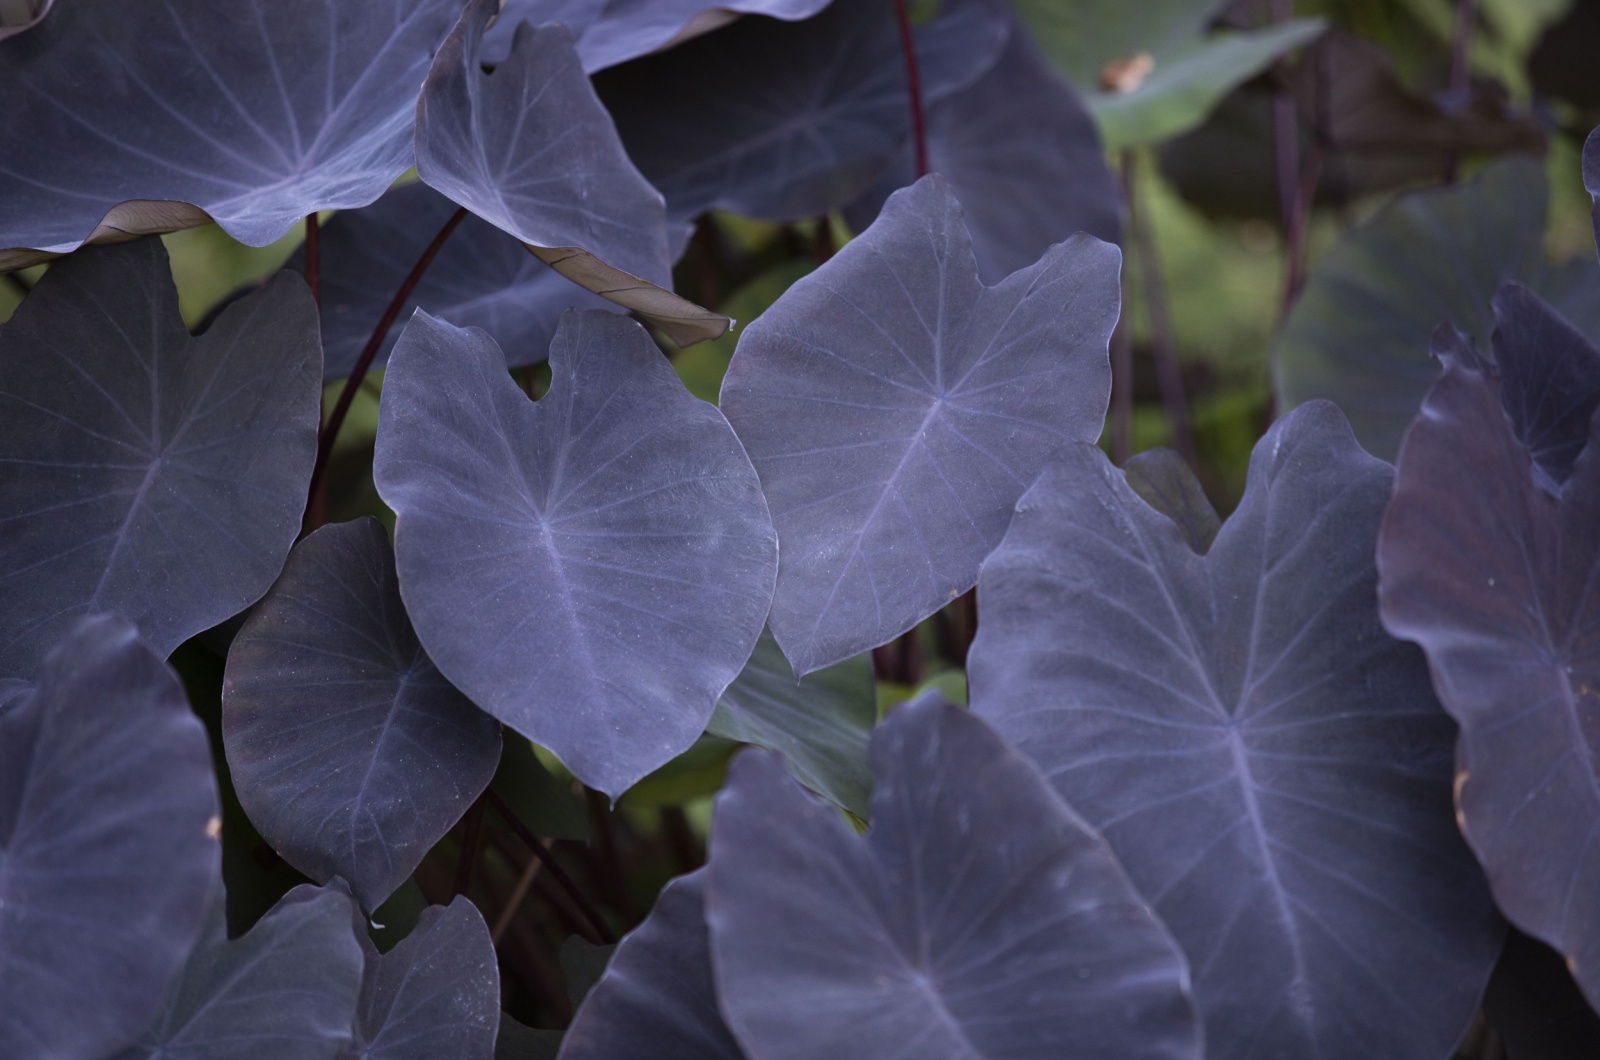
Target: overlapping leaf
[
  {"x": 1358, "y": 335},
  {"x": 657, "y": 998},
  {"x": 144, "y": 471},
  {"x": 1272, "y": 770},
  {"x": 250, "y": 113},
  {"x": 979, "y": 918},
  {"x": 1490, "y": 555},
  {"x": 481, "y": 278},
  {"x": 349, "y": 751},
  {"x": 819, "y": 723},
  {"x": 31, "y": 13},
  {"x": 799, "y": 119},
  {"x": 1022, "y": 155},
  {"x": 529, "y": 149},
  {"x": 108, "y": 826},
  {"x": 608, "y": 32},
  {"x": 287, "y": 989},
  {"x": 436, "y": 995},
  {"x": 896, "y": 409},
  {"x": 1591, "y": 176},
  {"x": 592, "y": 570},
  {"x": 1151, "y": 70}
]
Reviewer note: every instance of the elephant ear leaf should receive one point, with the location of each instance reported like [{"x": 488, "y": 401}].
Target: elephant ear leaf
[
  {"x": 530, "y": 149},
  {"x": 1490, "y": 559},
  {"x": 896, "y": 408}
]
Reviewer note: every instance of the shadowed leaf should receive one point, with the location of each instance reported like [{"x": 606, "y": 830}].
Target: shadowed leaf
[
  {"x": 593, "y": 570},
  {"x": 896, "y": 408},
  {"x": 141, "y": 470},
  {"x": 108, "y": 843},
  {"x": 1270, "y": 767},
  {"x": 350, "y": 753}
]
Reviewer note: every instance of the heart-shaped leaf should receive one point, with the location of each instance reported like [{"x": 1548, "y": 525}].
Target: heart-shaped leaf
[
  {"x": 1151, "y": 70},
  {"x": 251, "y": 113},
  {"x": 1272, "y": 770},
  {"x": 287, "y": 989},
  {"x": 896, "y": 408},
  {"x": 350, "y": 753},
  {"x": 980, "y": 918},
  {"x": 436, "y": 995},
  {"x": 145, "y": 471},
  {"x": 1358, "y": 335},
  {"x": 800, "y": 118},
  {"x": 609, "y": 32},
  {"x": 1022, "y": 155},
  {"x": 530, "y": 149},
  {"x": 108, "y": 843},
  {"x": 657, "y": 998},
  {"x": 593, "y": 570},
  {"x": 1491, "y": 562},
  {"x": 819, "y": 723},
  {"x": 481, "y": 278}
]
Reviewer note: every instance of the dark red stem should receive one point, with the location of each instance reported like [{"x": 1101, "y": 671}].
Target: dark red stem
[
  {"x": 472, "y": 833},
  {"x": 908, "y": 48},
  {"x": 1163, "y": 341},
  {"x": 553, "y": 867},
  {"x": 313, "y": 271},
  {"x": 341, "y": 408},
  {"x": 1460, "y": 71}
]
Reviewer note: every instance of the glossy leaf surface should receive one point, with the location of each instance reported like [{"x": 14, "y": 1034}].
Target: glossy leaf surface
[
  {"x": 800, "y": 118},
  {"x": 251, "y": 113},
  {"x": 593, "y": 570},
  {"x": 819, "y": 723},
  {"x": 436, "y": 995},
  {"x": 145, "y": 471},
  {"x": 608, "y": 32},
  {"x": 108, "y": 851},
  {"x": 530, "y": 149},
  {"x": 1358, "y": 335},
  {"x": 1022, "y": 155},
  {"x": 657, "y": 997},
  {"x": 286, "y": 989},
  {"x": 1270, "y": 767},
  {"x": 349, "y": 751},
  {"x": 1151, "y": 70},
  {"x": 896, "y": 408},
  {"x": 827, "y": 944},
  {"x": 1491, "y": 563},
  {"x": 482, "y": 278}
]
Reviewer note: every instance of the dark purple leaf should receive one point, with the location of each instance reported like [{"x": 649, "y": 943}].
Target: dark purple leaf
[
  {"x": 1022, "y": 155},
  {"x": 979, "y": 918},
  {"x": 799, "y": 118},
  {"x": 819, "y": 723},
  {"x": 145, "y": 471},
  {"x": 1493, "y": 568},
  {"x": 287, "y": 989},
  {"x": 656, "y": 998},
  {"x": 593, "y": 570},
  {"x": 1270, "y": 767},
  {"x": 436, "y": 995},
  {"x": 350, "y": 753},
  {"x": 108, "y": 843},
  {"x": 1591, "y": 176},
  {"x": 608, "y": 32},
  {"x": 482, "y": 278},
  {"x": 529, "y": 149},
  {"x": 1549, "y": 382},
  {"x": 1164, "y": 482},
  {"x": 251, "y": 113},
  {"x": 1536, "y": 1008},
  {"x": 1358, "y": 335},
  {"x": 13, "y": 21},
  {"x": 518, "y": 1042},
  {"x": 896, "y": 408}
]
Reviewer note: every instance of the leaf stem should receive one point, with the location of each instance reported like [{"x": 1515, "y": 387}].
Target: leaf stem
[
  {"x": 313, "y": 258},
  {"x": 1169, "y": 377},
  {"x": 553, "y": 867},
  {"x": 1459, "y": 86},
  {"x": 470, "y": 837},
  {"x": 341, "y": 408},
  {"x": 908, "y": 48}
]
